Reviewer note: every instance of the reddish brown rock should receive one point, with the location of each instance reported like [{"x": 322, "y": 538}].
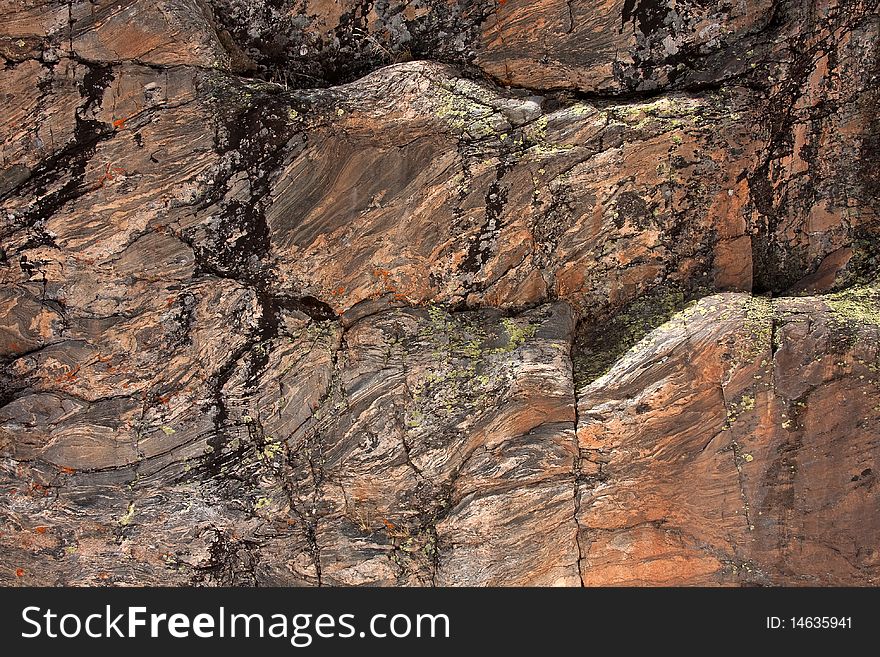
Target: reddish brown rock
[
  {"x": 282, "y": 305},
  {"x": 616, "y": 44},
  {"x": 735, "y": 444},
  {"x": 164, "y": 33}
]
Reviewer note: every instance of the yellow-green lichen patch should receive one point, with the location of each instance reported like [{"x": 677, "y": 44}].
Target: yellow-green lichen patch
[
  {"x": 858, "y": 305},
  {"x": 539, "y": 145},
  {"x": 546, "y": 149},
  {"x": 600, "y": 344},
  {"x": 272, "y": 449},
  {"x": 517, "y": 332},
  {"x": 465, "y": 107},
  {"x": 128, "y": 516},
  {"x": 537, "y": 131},
  {"x": 757, "y": 330},
  {"x": 661, "y": 115},
  {"x": 745, "y": 404},
  {"x": 468, "y": 353}
]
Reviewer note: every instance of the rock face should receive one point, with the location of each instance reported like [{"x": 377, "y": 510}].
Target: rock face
[
  {"x": 736, "y": 443},
  {"x": 462, "y": 292}
]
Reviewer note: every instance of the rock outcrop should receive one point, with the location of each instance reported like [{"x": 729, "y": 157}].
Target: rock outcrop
[
  {"x": 461, "y": 292},
  {"x": 736, "y": 443}
]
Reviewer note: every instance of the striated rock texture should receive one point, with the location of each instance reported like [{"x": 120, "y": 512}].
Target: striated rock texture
[{"x": 449, "y": 292}]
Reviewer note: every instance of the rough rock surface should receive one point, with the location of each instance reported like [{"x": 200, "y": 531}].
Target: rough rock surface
[
  {"x": 762, "y": 465},
  {"x": 461, "y": 292}
]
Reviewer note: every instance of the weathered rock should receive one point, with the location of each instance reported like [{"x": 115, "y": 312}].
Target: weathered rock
[
  {"x": 735, "y": 444},
  {"x": 263, "y": 327},
  {"x": 163, "y": 33}
]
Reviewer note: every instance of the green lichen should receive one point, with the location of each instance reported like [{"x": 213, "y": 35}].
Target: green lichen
[
  {"x": 858, "y": 305},
  {"x": 581, "y": 109},
  {"x": 464, "y": 107},
  {"x": 537, "y": 142},
  {"x": 414, "y": 419},
  {"x": 456, "y": 347},
  {"x": 126, "y": 518},
  {"x": 543, "y": 150},
  {"x": 467, "y": 361},
  {"x": 600, "y": 344},
  {"x": 517, "y": 334},
  {"x": 757, "y": 330},
  {"x": 745, "y": 404},
  {"x": 272, "y": 449},
  {"x": 537, "y": 131},
  {"x": 661, "y": 115}
]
